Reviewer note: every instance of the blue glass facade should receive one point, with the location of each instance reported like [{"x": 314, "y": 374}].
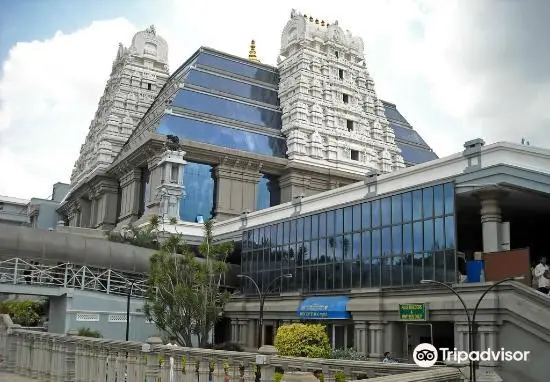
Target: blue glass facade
[
  {"x": 239, "y": 68},
  {"x": 223, "y": 107},
  {"x": 199, "y": 192},
  {"x": 415, "y": 155},
  {"x": 215, "y": 134},
  {"x": 393, "y": 241},
  {"x": 229, "y": 86}
]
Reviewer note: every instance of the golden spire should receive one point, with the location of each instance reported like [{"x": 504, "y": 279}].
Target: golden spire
[{"x": 252, "y": 54}]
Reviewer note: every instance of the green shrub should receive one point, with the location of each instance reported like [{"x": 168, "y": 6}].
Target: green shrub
[
  {"x": 302, "y": 340},
  {"x": 87, "y": 332},
  {"x": 349, "y": 354},
  {"x": 278, "y": 377},
  {"x": 22, "y": 312}
]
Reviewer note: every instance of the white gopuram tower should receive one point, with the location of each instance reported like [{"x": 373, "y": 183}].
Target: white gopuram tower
[
  {"x": 138, "y": 74},
  {"x": 332, "y": 117}
]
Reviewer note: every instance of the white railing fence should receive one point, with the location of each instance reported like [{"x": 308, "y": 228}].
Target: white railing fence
[
  {"x": 29, "y": 272},
  {"x": 56, "y": 358}
]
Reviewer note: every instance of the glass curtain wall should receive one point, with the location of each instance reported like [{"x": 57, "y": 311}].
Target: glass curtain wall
[
  {"x": 393, "y": 241},
  {"x": 198, "y": 203}
]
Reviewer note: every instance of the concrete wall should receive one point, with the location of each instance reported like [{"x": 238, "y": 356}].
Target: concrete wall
[
  {"x": 47, "y": 216},
  {"x": 536, "y": 368},
  {"x": 57, "y": 316}
]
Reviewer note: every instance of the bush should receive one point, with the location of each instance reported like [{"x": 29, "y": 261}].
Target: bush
[
  {"x": 87, "y": 332},
  {"x": 22, "y": 312},
  {"x": 350, "y": 354},
  {"x": 302, "y": 340},
  {"x": 227, "y": 346}
]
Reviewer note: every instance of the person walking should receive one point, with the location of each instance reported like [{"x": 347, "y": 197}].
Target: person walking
[{"x": 542, "y": 274}]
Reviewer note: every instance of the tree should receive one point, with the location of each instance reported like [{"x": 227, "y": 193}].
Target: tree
[{"x": 184, "y": 296}]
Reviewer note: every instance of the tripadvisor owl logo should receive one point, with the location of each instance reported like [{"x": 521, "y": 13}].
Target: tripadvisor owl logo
[{"x": 426, "y": 355}]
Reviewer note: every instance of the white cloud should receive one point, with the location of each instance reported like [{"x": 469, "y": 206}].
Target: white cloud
[{"x": 48, "y": 95}]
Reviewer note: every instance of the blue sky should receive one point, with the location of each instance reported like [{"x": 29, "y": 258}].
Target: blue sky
[{"x": 457, "y": 69}]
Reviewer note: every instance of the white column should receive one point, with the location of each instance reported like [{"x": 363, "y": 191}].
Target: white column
[
  {"x": 487, "y": 340},
  {"x": 491, "y": 217},
  {"x": 376, "y": 332},
  {"x": 361, "y": 337}
]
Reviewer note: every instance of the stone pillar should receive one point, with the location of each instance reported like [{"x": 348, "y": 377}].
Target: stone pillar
[
  {"x": 236, "y": 184},
  {"x": 243, "y": 331},
  {"x": 130, "y": 183},
  {"x": 234, "y": 330},
  {"x": 487, "y": 339},
  {"x": 361, "y": 337},
  {"x": 292, "y": 185},
  {"x": 491, "y": 218},
  {"x": 462, "y": 333},
  {"x": 94, "y": 200},
  {"x": 171, "y": 188},
  {"x": 85, "y": 207},
  {"x": 107, "y": 202},
  {"x": 155, "y": 179},
  {"x": 376, "y": 337}
]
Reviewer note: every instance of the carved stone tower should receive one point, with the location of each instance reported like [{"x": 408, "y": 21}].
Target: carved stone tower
[
  {"x": 138, "y": 74},
  {"x": 332, "y": 116},
  {"x": 171, "y": 188}
]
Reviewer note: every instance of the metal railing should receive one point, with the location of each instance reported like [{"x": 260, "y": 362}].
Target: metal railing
[{"x": 19, "y": 271}]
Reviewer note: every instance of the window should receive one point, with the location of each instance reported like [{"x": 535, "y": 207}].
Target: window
[
  {"x": 341, "y": 74},
  {"x": 345, "y": 98},
  {"x": 200, "y": 191},
  {"x": 354, "y": 155},
  {"x": 349, "y": 125},
  {"x": 337, "y": 54},
  {"x": 148, "y": 86}
]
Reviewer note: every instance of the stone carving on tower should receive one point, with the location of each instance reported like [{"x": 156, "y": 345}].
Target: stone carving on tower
[
  {"x": 171, "y": 189},
  {"x": 138, "y": 73},
  {"x": 332, "y": 116}
]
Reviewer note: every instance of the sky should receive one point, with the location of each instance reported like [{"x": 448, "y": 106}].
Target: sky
[{"x": 457, "y": 69}]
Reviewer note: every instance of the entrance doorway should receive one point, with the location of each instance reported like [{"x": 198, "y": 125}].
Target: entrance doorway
[{"x": 439, "y": 334}]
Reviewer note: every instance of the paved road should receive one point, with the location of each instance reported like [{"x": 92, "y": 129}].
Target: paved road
[{"x": 5, "y": 377}]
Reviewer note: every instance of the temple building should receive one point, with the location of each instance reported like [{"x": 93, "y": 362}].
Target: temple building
[{"x": 250, "y": 136}]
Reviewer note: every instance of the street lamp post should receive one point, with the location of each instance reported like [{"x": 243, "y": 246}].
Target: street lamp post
[
  {"x": 472, "y": 328},
  {"x": 450, "y": 288},
  {"x": 474, "y": 323},
  {"x": 129, "y": 296},
  {"x": 262, "y": 301}
]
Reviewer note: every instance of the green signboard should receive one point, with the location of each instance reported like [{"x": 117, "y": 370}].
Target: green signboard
[{"x": 413, "y": 312}]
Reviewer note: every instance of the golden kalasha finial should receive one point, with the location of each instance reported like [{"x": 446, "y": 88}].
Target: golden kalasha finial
[
  {"x": 322, "y": 23},
  {"x": 311, "y": 19},
  {"x": 316, "y": 21},
  {"x": 252, "y": 54},
  {"x": 305, "y": 16}
]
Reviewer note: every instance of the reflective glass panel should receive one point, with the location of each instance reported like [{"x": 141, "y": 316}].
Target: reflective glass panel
[
  {"x": 357, "y": 217},
  {"x": 396, "y": 237},
  {"x": 239, "y": 68},
  {"x": 348, "y": 220},
  {"x": 438, "y": 200},
  {"x": 348, "y": 247},
  {"x": 222, "y": 107},
  {"x": 449, "y": 198},
  {"x": 293, "y": 231},
  {"x": 393, "y": 114},
  {"x": 439, "y": 234},
  {"x": 428, "y": 202},
  {"x": 339, "y": 248},
  {"x": 375, "y": 207},
  {"x": 322, "y": 224},
  {"x": 407, "y": 206},
  {"x": 408, "y": 135},
  {"x": 205, "y": 132},
  {"x": 418, "y": 237},
  {"x": 356, "y": 246},
  {"x": 315, "y": 226},
  {"x": 428, "y": 235},
  {"x": 376, "y": 245},
  {"x": 339, "y": 221},
  {"x": 286, "y": 232},
  {"x": 366, "y": 217},
  {"x": 407, "y": 238},
  {"x": 386, "y": 211},
  {"x": 415, "y": 155},
  {"x": 226, "y": 85},
  {"x": 199, "y": 187},
  {"x": 365, "y": 245},
  {"x": 307, "y": 228},
  {"x": 450, "y": 232},
  {"x": 300, "y": 230},
  {"x": 396, "y": 209},
  {"x": 386, "y": 241},
  {"x": 417, "y": 204},
  {"x": 330, "y": 223}
]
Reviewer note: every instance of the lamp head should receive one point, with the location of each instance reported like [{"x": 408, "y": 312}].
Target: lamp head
[
  {"x": 288, "y": 276},
  {"x": 240, "y": 276},
  {"x": 425, "y": 281}
]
